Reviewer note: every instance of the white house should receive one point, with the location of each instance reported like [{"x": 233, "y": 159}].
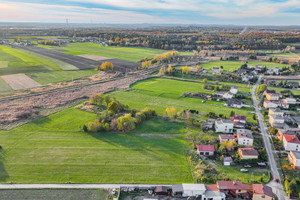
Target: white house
[
  {"x": 224, "y": 126},
  {"x": 206, "y": 150},
  {"x": 291, "y": 142},
  {"x": 234, "y": 90},
  {"x": 228, "y": 95},
  {"x": 289, "y": 101},
  {"x": 235, "y": 103},
  {"x": 213, "y": 195},
  {"x": 244, "y": 137},
  {"x": 276, "y": 112},
  {"x": 189, "y": 189},
  {"x": 270, "y": 104}
]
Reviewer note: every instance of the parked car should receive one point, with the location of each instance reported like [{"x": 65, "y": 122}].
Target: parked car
[{"x": 244, "y": 170}]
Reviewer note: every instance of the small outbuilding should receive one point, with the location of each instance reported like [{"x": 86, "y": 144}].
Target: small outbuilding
[
  {"x": 189, "y": 189},
  {"x": 162, "y": 190},
  {"x": 227, "y": 161}
]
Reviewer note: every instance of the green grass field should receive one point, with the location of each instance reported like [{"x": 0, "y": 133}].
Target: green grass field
[
  {"x": 234, "y": 65},
  {"x": 159, "y": 94},
  {"x": 284, "y": 55},
  {"x": 44, "y": 151},
  {"x": 60, "y": 76},
  {"x": 124, "y": 53},
  {"x": 4, "y": 87},
  {"x": 14, "y": 61}
]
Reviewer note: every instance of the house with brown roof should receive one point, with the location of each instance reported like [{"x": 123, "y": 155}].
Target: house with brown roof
[
  {"x": 239, "y": 120},
  {"x": 226, "y": 138},
  {"x": 261, "y": 191},
  {"x": 212, "y": 193},
  {"x": 247, "y": 153},
  {"x": 234, "y": 189},
  {"x": 206, "y": 150}
]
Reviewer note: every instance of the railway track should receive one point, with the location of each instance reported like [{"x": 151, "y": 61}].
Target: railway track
[{"x": 141, "y": 73}]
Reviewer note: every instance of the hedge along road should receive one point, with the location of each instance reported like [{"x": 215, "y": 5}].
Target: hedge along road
[{"x": 81, "y": 62}]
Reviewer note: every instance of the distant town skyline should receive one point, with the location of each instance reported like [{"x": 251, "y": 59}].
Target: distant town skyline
[{"x": 238, "y": 12}]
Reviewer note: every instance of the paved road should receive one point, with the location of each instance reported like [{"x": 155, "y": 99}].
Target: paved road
[
  {"x": 277, "y": 187},
  {"x": 72, "y": 186}
]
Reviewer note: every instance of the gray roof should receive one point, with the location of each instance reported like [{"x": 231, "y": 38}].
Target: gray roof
[
  {"x": 296, "y": 154},
  {"x": 177, "y": 188}
]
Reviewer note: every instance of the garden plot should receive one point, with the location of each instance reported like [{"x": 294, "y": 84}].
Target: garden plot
[
  {"x": 94, "y": 57},
  {"x": 20, "y": 81}
]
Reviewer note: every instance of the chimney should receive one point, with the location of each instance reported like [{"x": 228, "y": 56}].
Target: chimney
[{"x": 234, "y": 183}]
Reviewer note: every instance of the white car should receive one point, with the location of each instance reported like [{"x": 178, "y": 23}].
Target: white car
[{"x": 244, "y": 170}]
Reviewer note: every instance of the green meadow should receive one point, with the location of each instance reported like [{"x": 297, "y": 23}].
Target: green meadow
[
  {"x": 234, "y": 65},
  {"x": 123, "y": 53},
  {"x": 158, "y": 94},
  {"x": 52, "y": 148}
]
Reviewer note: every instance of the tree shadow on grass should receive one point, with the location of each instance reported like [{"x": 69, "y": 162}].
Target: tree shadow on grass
[{"x": 3, "y": 174}]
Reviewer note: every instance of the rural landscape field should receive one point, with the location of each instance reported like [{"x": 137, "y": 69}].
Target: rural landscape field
[{"x": 138, "y": 100}]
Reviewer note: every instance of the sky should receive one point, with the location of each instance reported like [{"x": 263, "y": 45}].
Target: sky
[{"x": 238, "y": 12}]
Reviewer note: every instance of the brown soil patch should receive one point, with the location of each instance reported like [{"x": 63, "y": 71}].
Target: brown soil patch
[
  {"x": 94, "y": 57},
  {"x": 20, "y": 81}
]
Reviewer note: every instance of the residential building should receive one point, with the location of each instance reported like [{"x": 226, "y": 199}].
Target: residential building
[
  {"x": 270, "y": 104},
  {"x": 212, "y": 193},
  {"x": 239, "y": 121},
  {"x": 234, "y": 89},
  {"x": 235, "y": 103},
  {"x": 234, "y": 189},
  {"x": 294, "y": 158},
  {"x": 276, "y": 121},
  {"x": 281, "y": 132},
  {"x": 269, "y": 92},
  {"x": 227, "y": 161},
  {"x": 289, "y": 100},
  {"x": 206, "y": 150},
  {"x": 276, "y": 112},
  {"x": 247, "y": 153},
  {"x": 216, "y": 69},
  {"x": 272, "y": 96},
  {"x": 209, "y": 124},
  {"x": 291, "y": 142},
  {"x": 244, "y": 137},
  {"x": 226, "y": 138},
  {"x": 188, "y": 189},
  {"x": 225, "y": 95},
  {"x": 262, "y": 192},
  {"x": 292, "y": 84},
  {"x": 224, "y": 126}
]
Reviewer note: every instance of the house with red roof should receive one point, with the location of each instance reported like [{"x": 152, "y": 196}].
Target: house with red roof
[
  {"x": 239, "y": 120},
  {"x": 206, "y": 150},
  {"x": 234, "y": 189},
  {"x": 247, "y": 153},
  {"x": 291, "y": 142},
  {"x": 261, "y": 191}
]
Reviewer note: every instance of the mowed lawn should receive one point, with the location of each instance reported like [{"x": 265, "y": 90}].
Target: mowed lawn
[
  {"x": 234, "y": 65},
  {"x": 60, "y": 76},
  {"x": 46, "y": 150},
  {"x": 123, "y": 53},
  {"x": 159, "y": 94}
]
